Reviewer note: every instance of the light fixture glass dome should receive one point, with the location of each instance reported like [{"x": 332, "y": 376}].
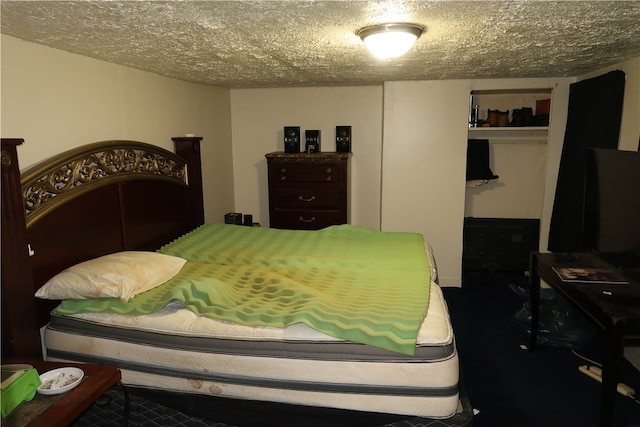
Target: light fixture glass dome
[{"x": 390, "y": 40}]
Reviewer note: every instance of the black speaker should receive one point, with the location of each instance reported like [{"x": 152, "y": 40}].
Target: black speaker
[
  {"x": 292, "y": 139},
  {"x": 233, "y": 218},
  {"x": 343, "y": 139},
  {"x": 312, "y": 141}
]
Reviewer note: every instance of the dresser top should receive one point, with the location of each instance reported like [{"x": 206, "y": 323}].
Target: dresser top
[{"x": 308, "y": 156}]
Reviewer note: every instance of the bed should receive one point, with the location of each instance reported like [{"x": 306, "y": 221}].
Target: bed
[{"x": 288, "y": 335}]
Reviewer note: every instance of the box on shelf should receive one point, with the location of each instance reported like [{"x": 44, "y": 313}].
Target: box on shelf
[{"x": 543, "y": 106}]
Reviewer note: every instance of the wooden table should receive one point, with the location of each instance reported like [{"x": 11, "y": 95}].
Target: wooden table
[
  {"x": 62, "y": 409},
  {"x": 613, "y": 307}
]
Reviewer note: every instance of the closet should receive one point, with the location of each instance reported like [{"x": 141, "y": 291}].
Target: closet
[{"x": 503, "y": 208}]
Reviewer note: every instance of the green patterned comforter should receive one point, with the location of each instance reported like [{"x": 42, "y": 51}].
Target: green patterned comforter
[{"x": 348, "y": 282}]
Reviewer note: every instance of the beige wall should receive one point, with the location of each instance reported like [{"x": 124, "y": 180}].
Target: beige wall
[
  {"x": 258, "y": 120},
  {"x": 55, "y": 101},
  {"x": 424, "y": 163},
  {"x": 409, "y": 137}
]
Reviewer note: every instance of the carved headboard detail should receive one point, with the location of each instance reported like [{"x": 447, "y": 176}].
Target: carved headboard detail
[
  {"x": 93, "y": 200},
  {"x": 86, "y": 168}
]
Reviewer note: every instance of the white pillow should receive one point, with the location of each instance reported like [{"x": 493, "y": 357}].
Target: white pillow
[{"x": 120, "y": 275}]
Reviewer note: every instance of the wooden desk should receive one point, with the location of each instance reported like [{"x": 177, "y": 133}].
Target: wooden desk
[
  {"x": 62, "y": 409},
  {"x": 613, "y": 307}
]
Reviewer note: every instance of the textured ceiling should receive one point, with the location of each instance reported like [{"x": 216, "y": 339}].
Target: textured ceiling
[{"x": 267, "y": 43}]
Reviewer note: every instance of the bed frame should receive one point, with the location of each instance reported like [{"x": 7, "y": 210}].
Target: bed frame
[
  {"x": 107, "y": 197},
  {"x": 90, "y": 201}
]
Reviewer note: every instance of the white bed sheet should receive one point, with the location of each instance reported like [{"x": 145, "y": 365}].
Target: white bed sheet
[{"x": 175, "y": 319}]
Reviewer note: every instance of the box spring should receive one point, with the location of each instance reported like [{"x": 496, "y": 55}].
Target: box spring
[{"x": 323, "y": 372}]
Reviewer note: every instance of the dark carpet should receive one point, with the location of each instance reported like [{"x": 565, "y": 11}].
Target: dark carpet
[
  {"x": 153, "y": 410},
  {"x": 512, "y": 387}
]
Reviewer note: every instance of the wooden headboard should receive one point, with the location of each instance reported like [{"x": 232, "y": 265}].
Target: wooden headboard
[{"x": 93, "y": 200}]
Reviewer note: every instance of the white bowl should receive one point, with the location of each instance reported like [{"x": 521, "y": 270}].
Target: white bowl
[{"x": 68, "y": 378}]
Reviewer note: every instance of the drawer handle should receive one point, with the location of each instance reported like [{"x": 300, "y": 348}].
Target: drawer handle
[
  {"x": 283, "y": 178},
  {"x": 307, "y": 199},
  {"x": 329, "y": 178},
  {"x": 313, "y": 218},
  {"x": 283, "y": 170},
  {"x": 328, "y": 170}
]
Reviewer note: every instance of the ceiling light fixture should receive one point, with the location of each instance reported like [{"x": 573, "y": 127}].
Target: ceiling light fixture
[{"x": 390, "y": 40}]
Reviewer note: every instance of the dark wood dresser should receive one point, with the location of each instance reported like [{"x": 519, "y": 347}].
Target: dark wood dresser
[{"x": 308, "y": 191}]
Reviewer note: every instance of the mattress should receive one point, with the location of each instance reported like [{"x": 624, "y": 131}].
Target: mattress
[{"x": 177, "y": 350}]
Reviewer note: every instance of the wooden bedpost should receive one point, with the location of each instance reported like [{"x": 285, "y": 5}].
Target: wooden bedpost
[
  {"x": 189, "y": 149},
  {"x": 20, "y": 334}
]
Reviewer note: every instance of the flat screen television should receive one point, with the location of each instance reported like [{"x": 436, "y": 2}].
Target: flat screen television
[{"x": 612, "y": 206}]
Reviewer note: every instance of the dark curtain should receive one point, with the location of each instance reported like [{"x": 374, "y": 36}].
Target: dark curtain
[{"x": 593, "y": 120}]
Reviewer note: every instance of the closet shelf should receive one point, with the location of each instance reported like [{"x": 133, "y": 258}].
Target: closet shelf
[{"x": 511, "y": 134}]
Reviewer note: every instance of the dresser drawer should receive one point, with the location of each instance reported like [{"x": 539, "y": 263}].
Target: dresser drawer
[
  {"x": 305, "y": 173},
  {"x": 306, "y": 219},
  {"x": 303, "y": 198}
]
